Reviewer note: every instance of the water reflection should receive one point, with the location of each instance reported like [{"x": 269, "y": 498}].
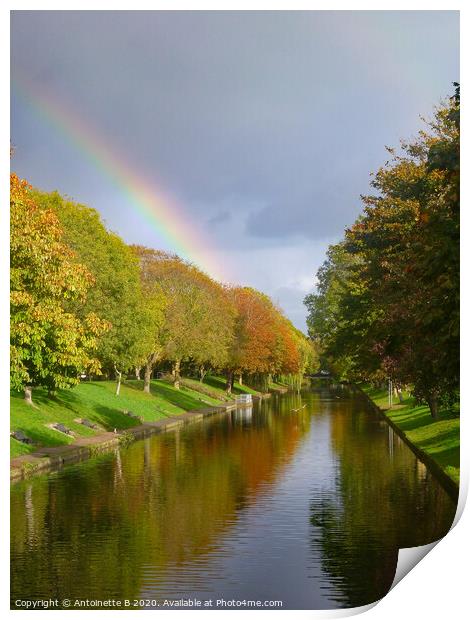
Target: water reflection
[
  {"x": 380, "y": 505},
  {"x": 304, "y": 498},
  {"x": 244, "y": 416}
]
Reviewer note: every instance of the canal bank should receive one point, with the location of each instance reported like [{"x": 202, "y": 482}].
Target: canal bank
[
  {"x": 53, "y": 458},
  {"x": 92, "y": 414},
  {"x": 435, "y": 442}
]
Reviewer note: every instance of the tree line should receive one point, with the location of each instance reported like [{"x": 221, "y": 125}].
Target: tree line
[
  {"x": 387, "y": 301},
  {"x": 83, "y": 302}
]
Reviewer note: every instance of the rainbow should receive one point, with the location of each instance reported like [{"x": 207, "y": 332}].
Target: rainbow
[{"x": 165, "y": 216}]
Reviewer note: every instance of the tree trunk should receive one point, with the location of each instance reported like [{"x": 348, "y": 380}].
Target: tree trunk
[
  {"x": 137, "y": 373},
  {"x": 229, "y": 384},
  {"x": 202, "y": 374},
  {"x": 262, "y": 381},
  {"x": 148, "y": 376},
  {"x": 240, "y": 379},
  {"x": 176, "y": 374},
  {"x": 28, "y": 394},
  {"x": 118, "y": 384},
  {"x": 433, "y": 406},
  {"x": 149, "y": 366}
]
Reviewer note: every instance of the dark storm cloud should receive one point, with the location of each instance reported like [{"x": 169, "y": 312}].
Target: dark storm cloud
[{"x": 252, "y": 103}]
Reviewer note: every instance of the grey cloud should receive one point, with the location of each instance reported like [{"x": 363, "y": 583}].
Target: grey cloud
[
  {"x": 220, "y": 218},
  {"x": 262, "y": 124},
  {"x": 317, "y": 217},
  {"x": 238, "y": 102}
]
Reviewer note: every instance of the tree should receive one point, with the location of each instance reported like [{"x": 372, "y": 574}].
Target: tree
[
  {"x": 409, "y": 238},
  {"x": 341, "y": 317},
  {"x": 116, "y": 294},
  {"x": 307, "y": 359},
  {"x": 155, "y": 303},
  {"x": 255, "y": 339},
  {"x": 50, "y": 345},
  {"x": 388, "y": 296},
  {"x": 198, "y": 315}
]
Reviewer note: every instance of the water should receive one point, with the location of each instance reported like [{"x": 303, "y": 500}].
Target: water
[{"x": 307, "y": 507}]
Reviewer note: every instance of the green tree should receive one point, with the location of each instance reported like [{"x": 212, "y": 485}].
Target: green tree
[
  {"x": 155, "y": 303},
  {"x": 341, "y": 317},
  {"x": 50, "y": 345},
  {"x": 116, "y": 294},
  {"x": 388, "y": 297}
]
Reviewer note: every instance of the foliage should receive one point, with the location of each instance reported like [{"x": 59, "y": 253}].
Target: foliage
[
  {"x": 388, "y": 297},
  {"x": 135, "y": 306},
  {"x": 253, "y": 348},
  {"x": 50, "y": 345},
  {"x": 265, "y": 342},
  {"x": 198, "y": 315},
  {"x": 116, "y": 293}
]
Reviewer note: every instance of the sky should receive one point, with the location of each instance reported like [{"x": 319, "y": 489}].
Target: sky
[{"x": 258, "y": 131}]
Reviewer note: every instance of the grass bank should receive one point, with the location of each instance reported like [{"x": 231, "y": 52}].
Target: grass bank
[
  {"x": 97, "y": 402},
  {"x": 218, "y": 383},
  {"x": 438, "y": 439}
]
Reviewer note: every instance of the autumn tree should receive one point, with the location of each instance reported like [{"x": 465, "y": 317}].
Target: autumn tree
[
  {"x": 50, "y": 344},
  {"x": 198, "y": 314},
  {"x": 301, "y": 356},
  {"x": 288, "y": 360},
  {"x": 253, "y": 349}
]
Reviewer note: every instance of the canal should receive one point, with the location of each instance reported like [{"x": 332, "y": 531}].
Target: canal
[{"x": 304, "y": 499}]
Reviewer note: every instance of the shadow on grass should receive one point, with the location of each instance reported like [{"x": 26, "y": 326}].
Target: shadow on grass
[
  {"x": 42, "y": 436},
  {"x": 166, "y": 392},
  {"x": 179, "y": 398},
  {"x": 445, "y": 437},
  {"x": 64, "y": 399},
  {"x": 134, "y": 384},
  {"x": 209, "y": 382},
  {"x": 17, "y": 448},
  {"x": 447, "y": 456},
  {"x": 111, "y": 418},
  {"x": 418, "y": 416},
  {"x": 219, "y": 383}
]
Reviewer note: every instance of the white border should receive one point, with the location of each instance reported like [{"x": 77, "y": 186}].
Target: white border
[{"x": 437, "y": 587}]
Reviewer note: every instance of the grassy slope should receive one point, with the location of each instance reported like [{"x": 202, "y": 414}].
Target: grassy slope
[
  {"x": 219, "y": 383},
  {"x": 97, "y": 402},
  {"x": 216, "y": 385},
  {"x": 439, "y": 439}
]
